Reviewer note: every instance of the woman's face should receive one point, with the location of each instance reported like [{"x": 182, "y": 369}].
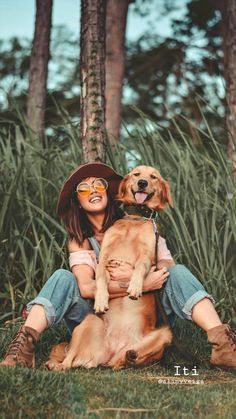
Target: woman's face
[{"x": 96, "y": 201}]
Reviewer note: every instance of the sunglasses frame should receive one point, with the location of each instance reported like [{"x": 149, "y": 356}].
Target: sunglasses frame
[{"x": 91, "y": 187}]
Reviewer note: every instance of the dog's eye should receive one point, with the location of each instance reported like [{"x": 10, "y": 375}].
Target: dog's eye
[
  {"x": 153, "y": 177},
  {"x": 136, "y": 174}
]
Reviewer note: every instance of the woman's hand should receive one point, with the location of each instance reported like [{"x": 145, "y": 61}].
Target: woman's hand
[
  {"x": 119, "y": 270},
  {"x": 122, "y": 271},
  {"x": 155, "y": 279}
]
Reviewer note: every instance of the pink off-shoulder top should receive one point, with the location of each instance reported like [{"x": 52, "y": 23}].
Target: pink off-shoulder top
[{"x": 88, "y": 257}]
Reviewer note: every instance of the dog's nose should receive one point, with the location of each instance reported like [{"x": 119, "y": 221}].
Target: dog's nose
[{"x": 142, "y": 183}]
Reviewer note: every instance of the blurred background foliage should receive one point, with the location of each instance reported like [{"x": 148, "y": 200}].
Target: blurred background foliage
[{"x": 164, "y": 74}]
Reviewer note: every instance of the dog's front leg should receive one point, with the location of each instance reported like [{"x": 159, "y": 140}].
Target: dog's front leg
[
  {"x": 102, "y": 280},
  {"x": 142, "y": 267}
]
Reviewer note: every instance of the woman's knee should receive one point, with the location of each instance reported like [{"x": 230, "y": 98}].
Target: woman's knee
[
  {"x": 181, "y": 277},
  {"x": 177, "y": 272},
  {"x": 63, "y": 273},
  {"x": 62, "y": 278}
]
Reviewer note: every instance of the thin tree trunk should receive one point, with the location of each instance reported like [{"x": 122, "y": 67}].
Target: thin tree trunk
[
  {"x": 116, "y": 16},
  {"x": 39, "y": 68},
  {"x": 92, "y": 79},
  {"x": 228, "y": 10}
]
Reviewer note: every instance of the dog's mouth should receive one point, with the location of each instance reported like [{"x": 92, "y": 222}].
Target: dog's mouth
[{"x": 142, "y": 197}]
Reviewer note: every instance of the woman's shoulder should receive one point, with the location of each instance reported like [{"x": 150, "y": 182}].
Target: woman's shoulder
[{"x": 73, "y": 246}]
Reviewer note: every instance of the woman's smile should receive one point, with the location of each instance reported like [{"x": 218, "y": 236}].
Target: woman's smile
[{"x": 95, "y": 199}]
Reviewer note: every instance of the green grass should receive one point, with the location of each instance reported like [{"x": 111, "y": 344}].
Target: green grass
[
  {"x": 107, "y": 394},
  {"x": 130, "y": 393},
  {"x": 139, "y": 394},
  {"x": 32, "y": 394}
]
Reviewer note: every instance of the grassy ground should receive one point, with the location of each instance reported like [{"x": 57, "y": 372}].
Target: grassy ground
[{"x": 149, "y": 392}]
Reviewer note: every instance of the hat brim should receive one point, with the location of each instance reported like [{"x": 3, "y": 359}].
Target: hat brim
[{"x": 82, "y": 172}]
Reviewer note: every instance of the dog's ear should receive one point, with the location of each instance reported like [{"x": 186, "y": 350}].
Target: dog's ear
[
  {"x": 164, "y": 194},
  {"x": 122, "y": 188}
]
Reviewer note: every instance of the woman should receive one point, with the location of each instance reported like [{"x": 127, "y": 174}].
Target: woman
[{"x": 85, "y": 205}]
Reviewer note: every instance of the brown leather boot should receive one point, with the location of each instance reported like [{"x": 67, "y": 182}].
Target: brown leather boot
[
  {"x": 21, "y": 350},
  {"x": 224, "y": 346}
]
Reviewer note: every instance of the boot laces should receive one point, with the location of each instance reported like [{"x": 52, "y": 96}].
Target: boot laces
[
  {"x": 17, "y": 343},
  {"x": 232, "y": 337}
]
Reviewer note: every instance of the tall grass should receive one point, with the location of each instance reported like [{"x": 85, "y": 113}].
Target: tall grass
[{"x": 200, "y": 229}]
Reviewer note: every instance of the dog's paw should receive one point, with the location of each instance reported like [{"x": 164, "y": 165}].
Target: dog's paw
[
  {"x": 134, "y": 291},
  {"x": 101, "y": 304},
  {"x": 117, "y": 361},
  {"x": 49, "y": 365},
  {"x": 131, "y": 357},
  {"x": 61, "y": 367},
  {"x": 101, "y": 308},
  {"x": 54, "y": 366},
  {"x": 118, "y": 364}
]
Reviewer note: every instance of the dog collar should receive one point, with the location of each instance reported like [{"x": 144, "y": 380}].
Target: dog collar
[{"x": 139, "y": 209}]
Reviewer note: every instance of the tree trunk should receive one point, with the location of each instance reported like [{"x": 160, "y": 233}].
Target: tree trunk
[
  {"x": 229, "y": 37},
  {"x": 92, "y": 79},
  {"x": 116, "y": 15},
  {"x": 39, "y": 67}
]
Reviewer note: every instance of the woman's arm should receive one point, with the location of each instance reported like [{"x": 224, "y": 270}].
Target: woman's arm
[
  {"x": 153, "y": 281},
  {"x": 164, "y": 256},
  {"x": 85, "y": 275},
  {"x": 166, "y": 263}
]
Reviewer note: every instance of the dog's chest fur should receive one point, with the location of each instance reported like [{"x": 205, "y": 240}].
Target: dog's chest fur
[
  {"x": 127, "y": 321},
  {"x": 122, "y": 238}
]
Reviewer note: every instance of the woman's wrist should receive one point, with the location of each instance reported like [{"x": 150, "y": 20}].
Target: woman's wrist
[
  {"x": 123, "y": 285},
  {"x": 146, "y": 286}
]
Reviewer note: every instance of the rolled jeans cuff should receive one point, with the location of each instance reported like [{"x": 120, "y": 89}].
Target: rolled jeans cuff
[
  {"x": 193, "y": 300},
  {"x": 48, "y": 309}
]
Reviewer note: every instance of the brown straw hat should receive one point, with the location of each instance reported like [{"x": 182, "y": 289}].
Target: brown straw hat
[{"x": 82, "y": 172}]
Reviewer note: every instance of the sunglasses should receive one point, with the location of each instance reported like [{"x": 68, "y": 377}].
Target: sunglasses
[{"x": 84, "y": 189}]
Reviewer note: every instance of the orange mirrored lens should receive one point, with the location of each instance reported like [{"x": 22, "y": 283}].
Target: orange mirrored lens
[
  {"x": 83, "y": 192},
  {"x": 100, "y": 188}
]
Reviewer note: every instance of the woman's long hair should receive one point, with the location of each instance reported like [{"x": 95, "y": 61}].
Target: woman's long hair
[{"x": 77, "y": 223}]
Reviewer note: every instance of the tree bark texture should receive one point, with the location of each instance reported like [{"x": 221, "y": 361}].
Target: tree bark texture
[
  {"x": 116, "y": 16},
  {"x": 229, "y": 39},
  {"x": 92, "y": 79},
  {"x": 39, "y": 68}
]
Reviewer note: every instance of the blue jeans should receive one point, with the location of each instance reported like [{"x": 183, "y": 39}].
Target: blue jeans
[{"x": 61, "y": 298}]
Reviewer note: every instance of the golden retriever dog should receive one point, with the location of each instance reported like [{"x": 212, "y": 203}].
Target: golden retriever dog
[{"x": 126, "y": 334}]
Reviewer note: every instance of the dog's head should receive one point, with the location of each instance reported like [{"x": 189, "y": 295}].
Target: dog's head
[{"x": 144, "y": 185}]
